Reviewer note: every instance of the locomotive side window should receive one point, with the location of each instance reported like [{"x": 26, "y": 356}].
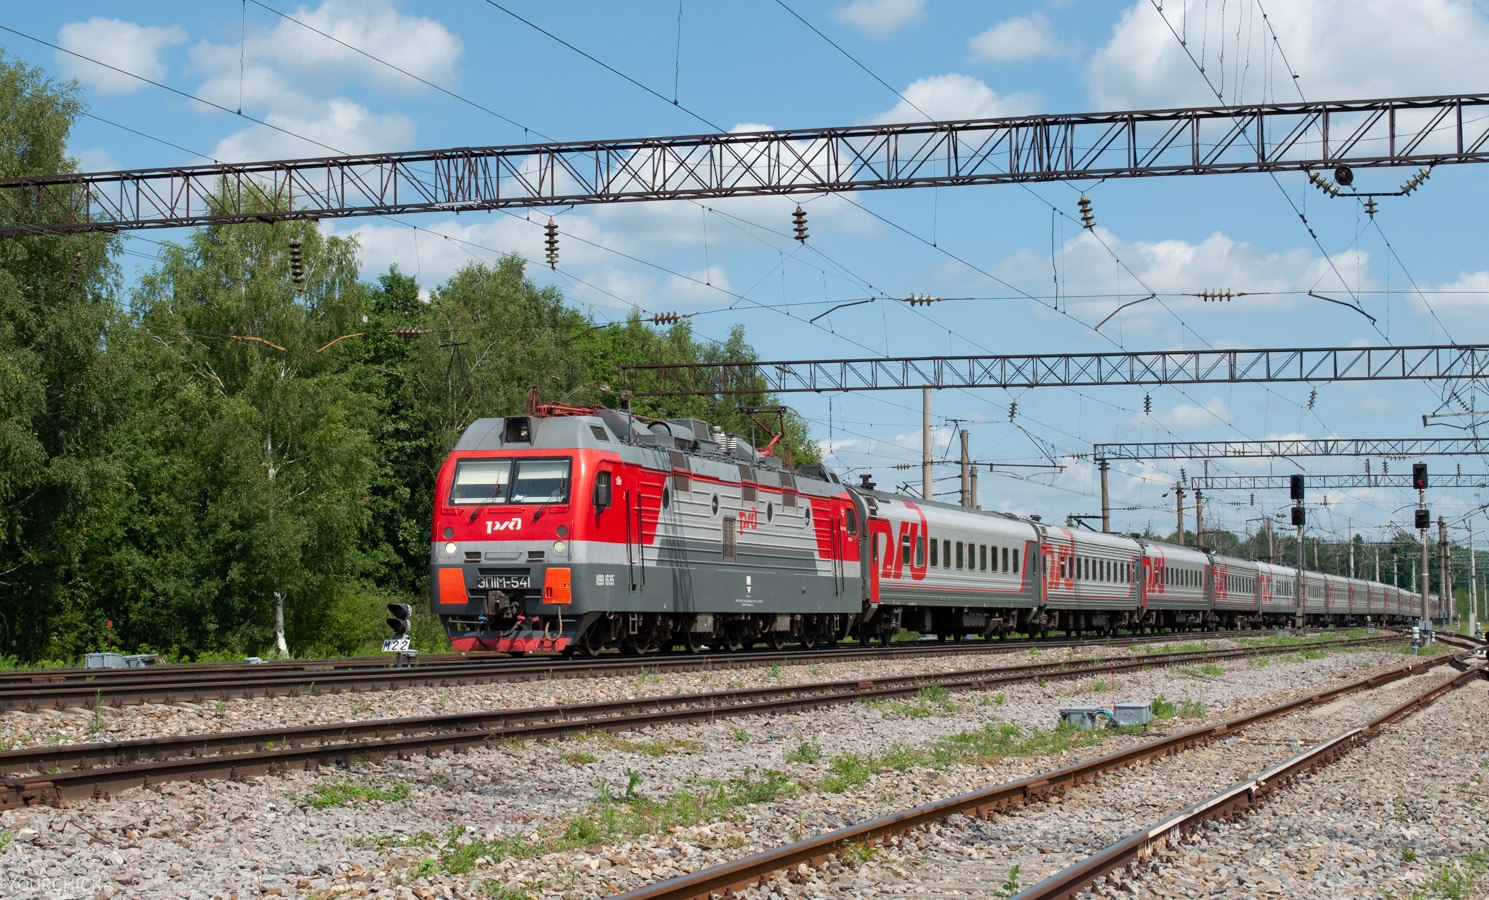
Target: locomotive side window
[
  {"x": 920, "y": 551},
  {"x": 850, "y": 520}
]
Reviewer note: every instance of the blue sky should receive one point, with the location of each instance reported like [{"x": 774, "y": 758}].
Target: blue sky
[{"x": 688, "y": 67}]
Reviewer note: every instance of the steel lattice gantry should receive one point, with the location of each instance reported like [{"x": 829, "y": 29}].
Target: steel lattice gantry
[
  {"x": 1386, "y": 447},
  {"x": 1415, "y": 131},
  {"x": 1326, "y": 482},
  {"x": 1426, "y": 362}
]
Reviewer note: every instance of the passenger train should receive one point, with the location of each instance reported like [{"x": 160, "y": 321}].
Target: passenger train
[{"x": 576, "y": 530}]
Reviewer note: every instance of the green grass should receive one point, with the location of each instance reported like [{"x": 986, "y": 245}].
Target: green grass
[
  {"x": 1455, "y": 880},
  {"x": 579, "y": 757},
  {"x": 741, "y": 735},
  {"x": 861, "y": 852},
  {"x": 805, "y": 752},
  {"x": 340, "y": 793},
  {"x": 1164, "y": 708},
  {"x": 654, "y": 748},
  {"x": 6, "y": 839},
  {"x": 928, "y": 700},
  {"x": 395, "y": 841},
  {"x": 1208, "y": 669},
  {"x": 995, "y": 742},
  {"x": 611, "y": 819}
]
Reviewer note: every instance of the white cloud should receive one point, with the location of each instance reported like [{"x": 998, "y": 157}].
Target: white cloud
[
  {"x": 133, "y": 48},
  {"x": 348, "y": 127},
  {"x": 954, "y": 96},
  {"x": 1340, "y": 49},
  {"x": 1461, "y": 303},
  {"x": 1218, "y": 262},
  {"x": 1018, "y": 38},
  {"x": 704, "y": 287},
  {"x": 1195, "y": 417},
  {"x": 94, "y": 159},
  {"x": 880, "y": 18},
  {"x": 420, "y": 46}
]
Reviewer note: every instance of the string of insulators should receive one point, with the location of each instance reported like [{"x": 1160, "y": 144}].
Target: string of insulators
[
  {"x": 297, "y": 266},
  {"x": 409, "y": 331},
  {"x": 550, "y": 243},
  {"x": 1460, "y": 469},
  {"x": 1415, "y": 181},
  {"x": 1371, "y": 207},
  {"x": 1088, "y": 221},
  {"x": 1324, "y": 184},
  {"x": 1147, "y": 404},
  {"x": 77, "y": 266},
  {"x": 1253, "y": 499},
  {"x": 1312, "y": 397},
  {"x": 1218, "y": 296},
  {"x": 799, "y": 224},
  {"x": 669, "y": 318},
  {"x": 1013, "y": 410},
  {"x": 1367, "y": 466},
  {"x": 1385, "y": 467},
  {"x": 1183, "y": 476},
  {"x": 921, "y": 299}
]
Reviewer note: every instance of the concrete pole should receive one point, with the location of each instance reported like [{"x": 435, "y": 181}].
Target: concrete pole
[
  {"x": 1444, "y": 572},
  {"x": 1106, "y": 498},
  {"x": 1377, "y": 565},
  {"x": 1351, "y": 537},
  {"x": 1179, "y": 492},
  {"x": 925, "y": 444},
  {"x": 1302, "y": 585},
  {"x": 1199, "y": 518},
  {"x": 1473, "y": 585},
  {"x": 1271, "y": 550},
  {"x": 966, "y": 476},
  {"x": 975, "y": 504}
]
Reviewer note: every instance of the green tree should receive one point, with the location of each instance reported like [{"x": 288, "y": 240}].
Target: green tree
[
  {"x": 56, "y": 297},
  {"x": 246, "y": 452}
]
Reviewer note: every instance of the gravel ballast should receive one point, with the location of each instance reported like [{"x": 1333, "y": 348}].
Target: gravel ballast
[{"x": 268, "y": 837}]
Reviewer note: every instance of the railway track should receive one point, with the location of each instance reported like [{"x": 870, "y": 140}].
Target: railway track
[
  {"x": 66, "y": 688},
  {"x": 1030, "y": 791},
  {"x": 58, "y": 774}
]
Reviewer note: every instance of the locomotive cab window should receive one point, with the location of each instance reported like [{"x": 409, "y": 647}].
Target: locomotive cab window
[
  {"x": 497, "y": 481},
  {"x": 850, "y": 520}
]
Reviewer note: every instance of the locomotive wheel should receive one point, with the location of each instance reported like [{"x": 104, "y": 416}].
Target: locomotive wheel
[
  {"x": 776, "y": 640},
  {"x": 589, "y": 649},
  {"x": 694, "y": 641},
  {"x": 958, "y": 637}
]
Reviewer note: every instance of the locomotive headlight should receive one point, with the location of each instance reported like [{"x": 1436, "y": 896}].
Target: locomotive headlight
[
  {"x": 560, "y": 546},
  {"x": 450, "y": 549}
]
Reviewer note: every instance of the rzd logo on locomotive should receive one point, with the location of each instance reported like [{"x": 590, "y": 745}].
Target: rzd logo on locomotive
[{"x": 512, "y": 524}]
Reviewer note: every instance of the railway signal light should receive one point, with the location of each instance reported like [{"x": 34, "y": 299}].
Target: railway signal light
[
  {"x": 1295, "y": 487},
  {"x": 398, "y": 618},
  {"x": 1298, "y": 517},
  {"x": 799, "y": 223},
  {"x": 1419, "y": 476},
  {"x": 550, "y": 243},
  {"x": 1424, "y": 519}
]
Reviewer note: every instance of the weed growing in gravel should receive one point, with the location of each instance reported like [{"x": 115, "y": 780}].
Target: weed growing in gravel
[
  {"x": 502, "y": 892},
  {"x": 656, "y": 748},
  {"x": 1011, "y": 886},
  {"x": 1164, "y": 649},
  {"x": 741, "y": 735},
  {"x": 1260, "y": 662},
  {"x": 611, "y": 819},
  {"x": 1455, "y": 880},
  {"x": 1408, "y": 854},
  {"x": 994, "y": 742},
  {"x": 340, "y": 793},
  {"x": 221, "y": 709},
  {"x": 394, "y": 841},
  {"x": 95, "y": 723},
  {"x": 805, "y": 752},
  {"x": 930, "y": 695},
  {"x": 1312, "y": 654},
  {"x": 1164, "y": 708},
  {"x": 579, "y": 757},
  {"x": 773, "y": 673},
  {"x": 861, "y": 852},
  {"x": 6, "y": 838},
  {"x": 644, "y": 678},
  {"x": 1099, "y": 686}
]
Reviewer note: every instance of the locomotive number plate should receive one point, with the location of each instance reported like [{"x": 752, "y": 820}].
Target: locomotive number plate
[{"x": 504, "y": 582}]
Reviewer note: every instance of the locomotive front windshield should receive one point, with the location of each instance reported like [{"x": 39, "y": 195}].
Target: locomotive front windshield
[{"x": 498, "y": 481}]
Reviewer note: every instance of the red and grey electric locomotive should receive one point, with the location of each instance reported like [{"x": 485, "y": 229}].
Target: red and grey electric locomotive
[{"x": 575, "y": 530}]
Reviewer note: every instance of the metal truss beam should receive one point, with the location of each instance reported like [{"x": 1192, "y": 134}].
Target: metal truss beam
[
  {"x": 1426, "y": 362},
  {"x": 1401, "y": 448},
  {"x": 1327, "y": 482},
  {"x": 1405, "y": 131}
]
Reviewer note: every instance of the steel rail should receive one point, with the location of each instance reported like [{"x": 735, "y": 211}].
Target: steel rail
[
  {"x": 147, "y": 685},
  {"x": 185, "y": 756},
  {"x": 1230, "y": 802},
  {"x": 754, "y": 869}
]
